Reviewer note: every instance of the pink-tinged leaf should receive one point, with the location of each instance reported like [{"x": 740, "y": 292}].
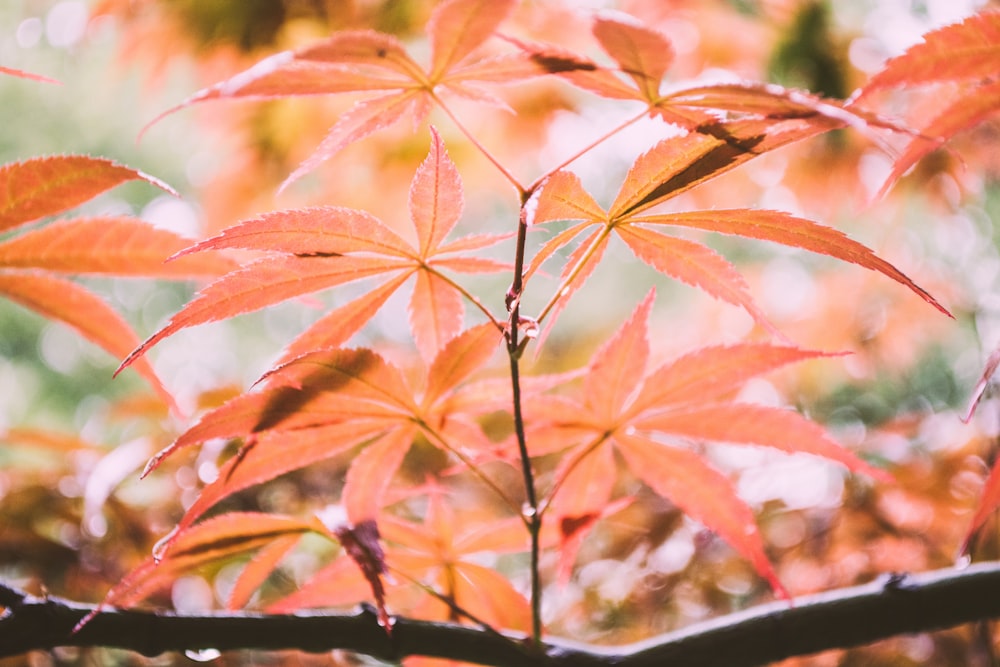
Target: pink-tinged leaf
[
  {"x": 362, "y": 47},
  {"x": 275, "y": 453},
  {"x": 966, "y": 51},
  {"x": 701, "y": 492},
  {"x": 969, "y": 108},
  {"x": 563, "y": 198},
  {"x": 573, "y": 530},
  {"x": 642, "y": 53},
  {"x": 458, "y": 27},
  {"x": 67, "y": 302},
  {"x": 45, "y": 186},
  {"x": 581, "y": 264},
  {"x": 709, "y": 373},
  {"x": 435, "y": 197},
  {"x": 217, "y": 538},
  {"x": 470, "y": 264},
  {"x": 789, "y": 230},
  {"x": 553, "y": 245},
  {"x": 984, "y": 380},
  {"x": 988, "y": 503},
  {"x": 258, "y": 570},
  {"x": 336, "y": 584},
  {"x": 616, "y": 369},
  {"x": 26, "y": 75},
  {"x": 460, "y": 358},
  {"x": 364, "y": 118},
  {"x": 578, "y": 70},
  {"x": 337, "y": 327},
  {"x": 473, "y": 242},
  {"x": 694, "y": 264},
  {"x": 584, "y": 486},
  {"x": 371, "y": 472},
  {"x": 361, "y": 542},
  {"x": 678, "y": 164},
  {"x": 321, "y": 230},
  {"x": 505, "y": 68},
  {"x": 490, "y": 597},
  {"x": 262, "y": 284},
  {"x": 774, "y": 101},
  {"x": 436, "y": 311},
  {"x": 748, "y": 424},
  {"x": 115, "y": 246},
  {"x": 361, "y": 373}
]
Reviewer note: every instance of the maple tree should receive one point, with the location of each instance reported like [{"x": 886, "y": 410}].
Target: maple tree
[{"x": 466, "y": 471}]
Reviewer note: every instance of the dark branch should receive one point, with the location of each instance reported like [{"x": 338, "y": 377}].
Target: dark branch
[{"x": 890, "y": 606}]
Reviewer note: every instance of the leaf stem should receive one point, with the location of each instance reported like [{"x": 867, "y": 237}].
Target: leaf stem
[
  {"x": 575, "y": 272},
  {"x": 475, "y": 142},
  {"x": 472, "y": 298}
]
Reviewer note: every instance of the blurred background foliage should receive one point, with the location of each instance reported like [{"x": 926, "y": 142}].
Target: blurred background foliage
[{"x": 74, "y": 517}]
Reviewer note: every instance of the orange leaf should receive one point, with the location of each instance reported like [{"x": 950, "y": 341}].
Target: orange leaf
[
  {"x": 701, "y": 492},
  {"x": 563, "y": 198},
  {"x": 336, "y": 327},
  {"x": 264, "y": 283},
  {"x": 490, "y": 597},
  {"x": 746, "y": 424},
  {"x": 362, "y": 119},
  {"x": 789, "y": 230},
  {"x": 362, "y": 47},
  {"x": 117, "y": 246},
  {"x": 642, "y": 53},
  {"x": 436, "y": 312},
  {"x": 552, "y": 245},
  {"x": 616, "y": 369},
  {"x": 709, "y": 373},
  {"x": 462, "y": 356},
  {"x": 435, "y": 197},
  {"x": 964, "y": 51},
  {"x": 44, "y": 186},
  {"x": 321, "y": 230},
  {"x": 371, "y": 472},
  {"x": 259, "y": 569},
  {"x": 694, "y": 264},
  {"x": 217, "y": 538},
  {"x": 71, "y": 304},
  {"x": 677, "y": 164},
  {"x": 275, "y": 453},
  {"x": 969, "y": 108},
  {"x": 335, "y": 584},
  {"x": 458, "y": 27}
]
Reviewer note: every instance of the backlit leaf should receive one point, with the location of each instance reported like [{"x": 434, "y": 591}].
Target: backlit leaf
[
  {"x": 457, "y": 27},
  {"x": 370, "y": 474},
  {"x": 435, "y": 197},
  {"x": 114, "y": 246},
  {"x": 71, "y": 304},
  {"x": 563, "y": 198},
  {"x": 44, "y": 186},
  {"x": 259, "y": 569},
  {"x": 462, "y": 356},
  {"x": 969, "y": 50},
  {"x": 701, "y": 492},
  {"x": 696, "y": 265},
  {"x": 642, "y": 53},
  {"x": 791, "y": 231},
  {"x": 748, "y": 424},
  {"x": 616, "y": 369},
  {"x": 435, "y": 313}
]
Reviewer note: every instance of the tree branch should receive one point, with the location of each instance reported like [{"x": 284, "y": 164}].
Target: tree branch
[{"x": 889, "y": 606}]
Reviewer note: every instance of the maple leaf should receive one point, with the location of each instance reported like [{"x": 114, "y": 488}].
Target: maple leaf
[
  {"x": 441, "y": 553},
  {"x": 328, "y": 402},
  {"x": 647, "y": 417},
  {"x": 673, "y": 166},
  {"x": 374, "y": 62},
  {"x": 32, "y": 263},
  {"x": 965, "y": 54},
  {"x": 323, "y": 247},
  {"x": 645, "y": 54},
  {"x": 214, "y": 539}
]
